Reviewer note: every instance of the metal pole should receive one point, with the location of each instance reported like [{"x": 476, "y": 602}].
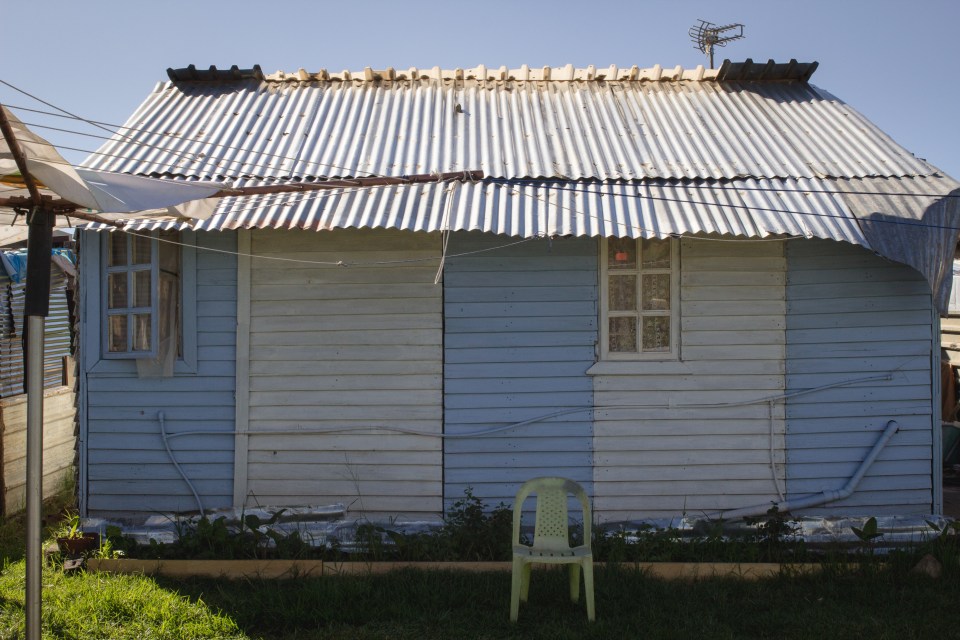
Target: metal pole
[
  {"x": 35, "y": 329},
  {"x": 36, "y": 309}
]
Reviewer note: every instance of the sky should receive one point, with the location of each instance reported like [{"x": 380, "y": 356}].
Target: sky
[{"x": 892, "y": 61}]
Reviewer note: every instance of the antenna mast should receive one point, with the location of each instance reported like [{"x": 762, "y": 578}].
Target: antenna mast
[{"x": 707, "y": 35}]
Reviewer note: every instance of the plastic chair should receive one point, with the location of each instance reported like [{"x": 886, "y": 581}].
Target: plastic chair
[{"x": 551, "y": 544}]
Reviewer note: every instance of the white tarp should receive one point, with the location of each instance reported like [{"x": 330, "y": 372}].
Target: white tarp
[{"x": 98, "y": 191}]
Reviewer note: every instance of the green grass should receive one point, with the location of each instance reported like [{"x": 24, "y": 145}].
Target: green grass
[
  {"x": 854, "y": 596},
  {"x": 869, "y": 599},
  {"x": 87, "y": 605}
]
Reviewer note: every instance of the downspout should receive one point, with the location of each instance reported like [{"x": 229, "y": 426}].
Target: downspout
[{"x": 818, "y": 499}]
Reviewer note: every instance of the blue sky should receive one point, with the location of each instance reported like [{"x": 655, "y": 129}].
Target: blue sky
[{"x": 892, "y": 61}]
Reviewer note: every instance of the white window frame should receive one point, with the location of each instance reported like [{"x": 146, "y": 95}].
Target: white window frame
[
  {"x": 127, "y": 312},
  {"x": 94, "y": 294},
  {"x": 674, "y": 352}
]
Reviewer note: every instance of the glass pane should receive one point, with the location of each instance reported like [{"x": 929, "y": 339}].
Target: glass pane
[
  {"x": 141, "y": 288},
  {"x": 117, "y": 338},
  {"x": 621, "y": 253},
  {"x": 142, "y": 247},
  {"x": 117, "y": 287},
  {"x": 656, "y": 333},
  {"x": 656, "y": 292},
  {"x": 622, "y": 293},
  {"x": 141, "y": 332},
  {"x": 623, "y": 335},
  {"x": 656, "y": 254},
  {"x": 117, "y": 250}
]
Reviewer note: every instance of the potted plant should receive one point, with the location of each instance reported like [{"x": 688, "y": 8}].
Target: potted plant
[{"x": 72, "y": 540}]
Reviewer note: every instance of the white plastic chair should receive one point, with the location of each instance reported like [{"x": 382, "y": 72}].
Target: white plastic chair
[{"x": 551, "y": 543}]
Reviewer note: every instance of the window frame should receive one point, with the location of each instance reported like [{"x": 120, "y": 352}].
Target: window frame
[
  {"x": 95, "y": 302},
  {"x": 673, "y": 353},
  {"x": 129, "y": 268}
]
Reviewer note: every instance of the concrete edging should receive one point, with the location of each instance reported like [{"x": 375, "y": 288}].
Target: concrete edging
[{"x": 288, "y": 569}]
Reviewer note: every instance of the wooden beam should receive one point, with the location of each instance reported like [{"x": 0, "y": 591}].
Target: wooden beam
[{"x": 348, "y": 183}]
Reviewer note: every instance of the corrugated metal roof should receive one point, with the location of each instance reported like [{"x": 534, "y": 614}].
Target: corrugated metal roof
[
  {"x": 572, "y": 129},
  {"x": 743, "y": 208},
  {"x": 744, "y": 151}
]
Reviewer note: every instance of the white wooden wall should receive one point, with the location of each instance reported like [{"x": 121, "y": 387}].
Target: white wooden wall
[
  {"x": 853, "y": 314},
  {"x": 125, "y": 467},
  {"x": 344, "y": 350},
  {"x": 661, "y": 449},
  {"x": 520, "y": 328}
]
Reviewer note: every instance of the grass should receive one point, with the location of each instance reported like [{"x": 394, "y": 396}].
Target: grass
[
  {"x": 855, "y": 603},
  {"x": 852, "y": 597}
]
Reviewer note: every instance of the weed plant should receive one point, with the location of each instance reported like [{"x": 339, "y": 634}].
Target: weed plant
[{"x": 472, "y": 532}]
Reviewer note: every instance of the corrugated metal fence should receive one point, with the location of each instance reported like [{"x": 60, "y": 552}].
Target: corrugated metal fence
[{"x": 57, "y": 339}]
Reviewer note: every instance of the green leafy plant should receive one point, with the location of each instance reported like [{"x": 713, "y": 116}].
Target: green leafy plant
[{"x": 869, "y": 533}]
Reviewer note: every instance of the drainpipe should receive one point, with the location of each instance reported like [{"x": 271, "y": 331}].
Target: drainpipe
[{"x": 818, "y": 499}]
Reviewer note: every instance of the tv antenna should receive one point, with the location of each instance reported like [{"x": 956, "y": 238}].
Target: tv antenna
[{"x": 707, "y": 35}]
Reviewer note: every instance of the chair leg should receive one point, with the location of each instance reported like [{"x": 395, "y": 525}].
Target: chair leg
[
  {"x": 588, "y": 587},
  {"x": 516, "y": 588},
  {"x": 525, "y": 584},
  {"x": 574, "y": 582}
]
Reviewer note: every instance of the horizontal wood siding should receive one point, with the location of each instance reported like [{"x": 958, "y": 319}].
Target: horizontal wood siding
[
  {"x": 850, "y": 315},
  {"x": 128, "y": 469},
  {"x": 59, "y": 446},
  {"x": 351, "y": 356},
  {"x": 690, "y": 436},
  {"x": 520, "y": 330}
]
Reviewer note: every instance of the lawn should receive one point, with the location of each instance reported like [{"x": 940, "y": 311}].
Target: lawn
[
  {"x": 856, "y": 596},
  {"x": 854, "y": 602}
]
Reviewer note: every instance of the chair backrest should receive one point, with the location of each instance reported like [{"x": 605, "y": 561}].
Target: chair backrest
[{"x": 551, "y": 526}]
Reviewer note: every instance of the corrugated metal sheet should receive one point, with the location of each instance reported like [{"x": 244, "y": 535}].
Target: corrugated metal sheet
[
  {"x": 571, "y": 129},
  {"x": 744, "y": 208},
  {"x": 56, "y": 334},
  {"x": 588, "y": 152}
]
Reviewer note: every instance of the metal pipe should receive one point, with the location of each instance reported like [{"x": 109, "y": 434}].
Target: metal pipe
[
  {"x": 830, "y": 495},
  {"x": 35, "y": 329}
]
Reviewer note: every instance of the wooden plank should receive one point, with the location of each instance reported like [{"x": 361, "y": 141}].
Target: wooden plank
[
  {"x": 352, "y": 398},
  {"x": 354, "y": 322},
  {"x": 242, "y": 373},
  {"x": 719, "y": 338},
  {"x": 345, "y": 307},
  {"x": 315, "y": 412},
  {"x": 335, "y": 381},
  {"x": 725, "y": 293},
  {"x": 408, "y": 337},
  {"x": 313, "y": 352},
  {"x": 214, "y": 569},
  {"x": 346, "y": 367}
]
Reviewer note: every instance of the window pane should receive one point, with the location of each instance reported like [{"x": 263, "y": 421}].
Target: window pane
[
  {"x": 117, "y": 250},
  {"x": 656, "y": 254},
  {"x": 656, "y": 292},
  {"x": 623, "y": 335},
  {"x": 141, "y": 332},
  {"x": 141, "y": 288},
  {"x": 621, "y": 253},
  {"x": 656, "y": 333},
  {"x": 117, "y": 338},
  {"x": 142, "y": 247},
  {"x": 623, "y": 293},
  {"x": 117, "y": 286}
]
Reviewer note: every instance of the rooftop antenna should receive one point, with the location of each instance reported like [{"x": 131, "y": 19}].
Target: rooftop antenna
[{"x": 707, "y": 35}]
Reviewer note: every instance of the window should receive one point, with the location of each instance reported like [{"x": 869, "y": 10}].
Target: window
[
  {"x": 142, "y": 296},
  {"x": 640, "y": 299}
]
